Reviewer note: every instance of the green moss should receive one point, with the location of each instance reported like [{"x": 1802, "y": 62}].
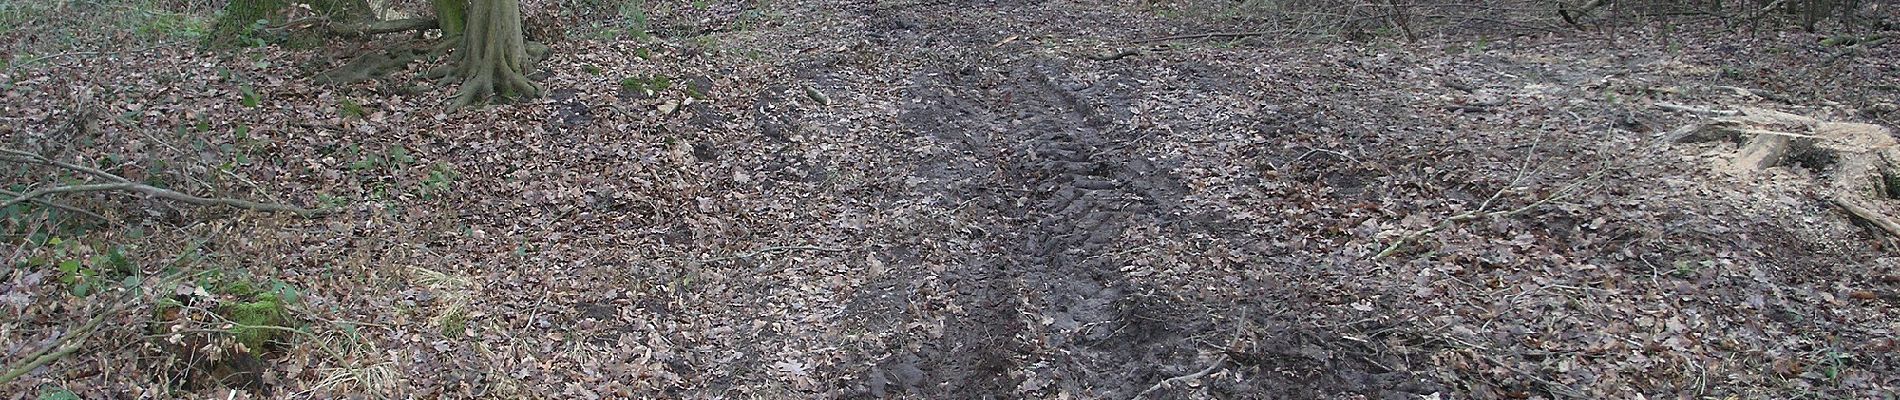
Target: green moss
[
  {"x": 240, "y": 19},
  {"x": 239, "y": 22},
  {"x": 259, "y": 321},
  {"x": 454, "y": 324}
]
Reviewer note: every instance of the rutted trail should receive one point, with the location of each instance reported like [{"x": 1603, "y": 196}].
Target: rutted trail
[{"x": 1066, "y": 192}]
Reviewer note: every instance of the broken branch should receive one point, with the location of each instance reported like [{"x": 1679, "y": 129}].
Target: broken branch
[
  {"x": 1697, "y": 110},
  {"x": 75, "y": 210},
  {"x": 1235, "y": 35},
  {"x": 121, "y": 183},
  {"x": 1869, "y": 215}
]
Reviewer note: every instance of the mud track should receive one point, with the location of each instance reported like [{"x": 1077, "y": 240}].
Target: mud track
[
  {"x": 1062, "y": 194},
  {"x": 1042, "y": 306}
]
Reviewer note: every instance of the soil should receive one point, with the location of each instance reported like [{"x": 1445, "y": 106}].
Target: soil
[{"x": 961, "y": 199}]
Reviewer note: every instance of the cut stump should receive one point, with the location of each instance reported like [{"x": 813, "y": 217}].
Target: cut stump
[{"x": 1856, "y": 161}]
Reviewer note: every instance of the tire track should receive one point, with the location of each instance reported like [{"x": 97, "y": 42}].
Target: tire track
[{"x": 1052, "y": 293}]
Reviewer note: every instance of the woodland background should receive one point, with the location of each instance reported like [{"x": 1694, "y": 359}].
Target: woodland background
[{"x": 1379, "y": 199}]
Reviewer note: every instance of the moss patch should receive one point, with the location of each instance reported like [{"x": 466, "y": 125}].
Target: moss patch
[
  {"x": 259, "y": 321},
  {"x": 239, "y": 22},
  {"x": 218, "y": 333}
]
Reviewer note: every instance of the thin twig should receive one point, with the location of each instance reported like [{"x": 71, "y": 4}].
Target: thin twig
[
  {"x": 76, "y": 210},
  {"x": 74, "y": 339},
  {"x": 121, "y": 183},
  {"x": 1480, "y": 213},
  {"x": 774, "y": 249},
  {"x": 1164, "y": 383},
  {"x": 1235, "y": 35}
]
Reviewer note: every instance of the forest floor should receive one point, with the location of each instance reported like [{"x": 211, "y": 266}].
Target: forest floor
[{"x": 953, "y": 199}]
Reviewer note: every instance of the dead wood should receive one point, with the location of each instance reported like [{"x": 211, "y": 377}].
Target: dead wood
[
  {"x": 1113, "y": 55},
  {"x": 1232, "y": 35},
  {"x": 1865, "y": 214},
  {"x": 119, "y": 183},
  {"x": 1764, "y": 151},
  {"x": 74, "y": 339},
  {"x": 67, "y": 208},
  {"x": 1707, "y": 112}
]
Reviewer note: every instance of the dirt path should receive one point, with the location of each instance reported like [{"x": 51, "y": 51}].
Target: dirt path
[{"x": 1039, "y": 159}]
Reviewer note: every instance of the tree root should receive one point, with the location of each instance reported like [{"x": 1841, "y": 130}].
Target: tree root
[
  {"x": 1164, "y": 383},
  {"x": 382, "y": 27},
  {"x": 494, "y": 55}
]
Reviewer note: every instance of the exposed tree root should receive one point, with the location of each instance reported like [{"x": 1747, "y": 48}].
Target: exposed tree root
[
  {"x": 382, "y": 27},
  {"x": 1222, "y": 361},
  {"x": 494, "y": 55}
]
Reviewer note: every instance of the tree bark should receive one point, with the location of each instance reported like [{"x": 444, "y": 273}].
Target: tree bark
[
  {"x": 494, "y": 54},
  {"x": 451, "y": 16}
]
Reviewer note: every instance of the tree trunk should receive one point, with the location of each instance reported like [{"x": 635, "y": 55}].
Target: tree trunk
[
  {"x": 494, "y": 54},
  {"x": 451, "y": 16}
]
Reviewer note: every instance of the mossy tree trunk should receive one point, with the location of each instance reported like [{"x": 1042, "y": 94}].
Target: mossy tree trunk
[
  {"x": 493, "y": 55},
  {"x": 450, "y": 16}
]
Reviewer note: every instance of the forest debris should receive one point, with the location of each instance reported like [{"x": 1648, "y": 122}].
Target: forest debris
[
  {"x": 1696, "y": 110},
  {"x": 1702, "y": 132},
  {"x": 1858, "y": 158},
  {"x": 1762, "y": 152},
  {"x": 1183, "y": 378},
  {"x": 119, "y": 183},
  {"x": 1113, "y": 55},
  {"x": 1230, "y": 35},
  {"x": 1756, "y": 93},
  {"x": 1872, "y": 217}
]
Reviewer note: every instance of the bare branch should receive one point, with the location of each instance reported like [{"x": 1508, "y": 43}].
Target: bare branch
[
  {"x": 1869, "y": 215},
  {"x": 121, "y": 183},
  {"x": 1564, "y": 192}
]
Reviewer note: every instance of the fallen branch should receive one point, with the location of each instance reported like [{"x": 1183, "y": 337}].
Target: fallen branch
[
  {"x": 1164, "y": 383},
  {"x": 774, "y": 249},
  {"x": 121, "y": 183},
  {"x": 1697, "y": 110},
  {"x": 74, "y": 339},
  {"x": 43, "y": 356},
  {"x": 1235, "y": 35},
  {"x": 75, "y": 210},
  {"x": 1114, "y": 55},
  {"x": 1869, "y": 215},
  {"x": 163, "y": 193}
]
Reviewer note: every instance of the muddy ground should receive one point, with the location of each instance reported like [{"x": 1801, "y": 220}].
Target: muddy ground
[{"x": 998, "y": 199}]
